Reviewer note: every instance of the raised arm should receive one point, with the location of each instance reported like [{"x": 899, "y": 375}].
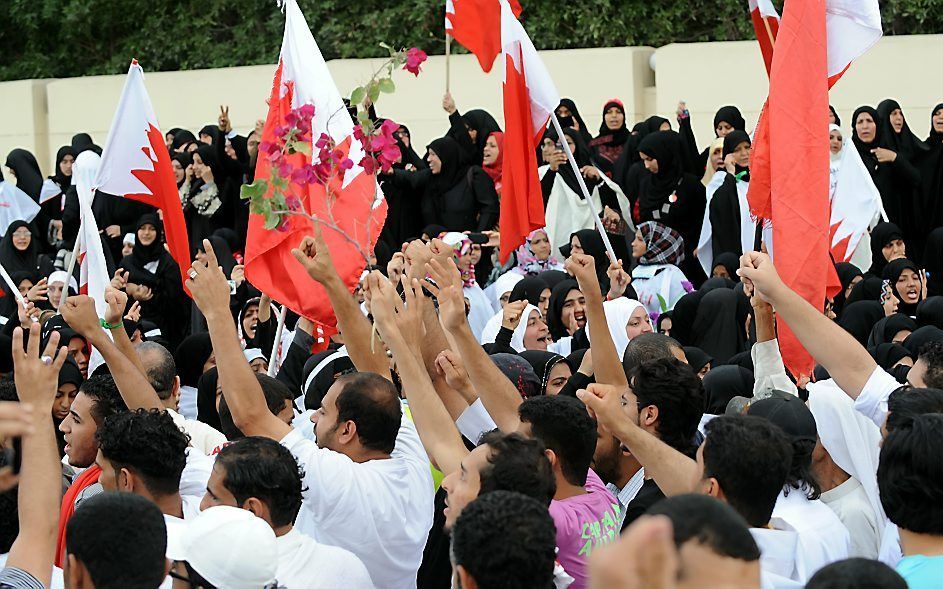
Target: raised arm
[
  {"x": 673, "y": 472},
  {"x": 848, "y": 363},
  {"x": 399, "y": 325},
  {"x": 241, "y": 389},
  {"x": 316, "y": 259},
  {"x": 41, "y": 475},
  {"x": 606, "y": 361},
  {"x": 79, "y": 312},
  {"x": 499, "y": 396},
  {"x": 114, "y": 316}
]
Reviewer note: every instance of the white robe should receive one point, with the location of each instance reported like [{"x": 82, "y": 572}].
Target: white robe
[
  {"x": 705, "y": 250},
  {"x": 568, "y": 212}
]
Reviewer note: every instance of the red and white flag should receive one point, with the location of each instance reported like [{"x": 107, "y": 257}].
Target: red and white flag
[
  {"x": 476, "y": 25},
  {"x": 529, "y": 99},
  {"x": 855, "y": 202},
  {"x": 789, "y": 167},
  {"x": 135, "y": 164},
  {"x": 766, "y": 25},
  {"x": 357, "y": 206}
]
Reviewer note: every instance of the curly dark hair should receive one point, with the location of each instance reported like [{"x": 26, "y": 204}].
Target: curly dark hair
[
  {"x": 906, "y": 403},
  {"x": 148, "y": 442},
  {"x": 262, "y": 468},
  {"x": 517, "y": 464},
  {"x": 672, "y": 387},
  {"x": 910, "y": 475},
  {"x": 506, "y": 540},
  {"x": 932, "y": 355},
  {"x": 103, "y": 391}
]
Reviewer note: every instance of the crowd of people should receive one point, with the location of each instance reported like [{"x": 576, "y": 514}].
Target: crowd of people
[{"x": 563, "y": 419}]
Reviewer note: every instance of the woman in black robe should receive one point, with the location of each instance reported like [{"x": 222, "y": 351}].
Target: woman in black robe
[
  {"x": 726, "y": 217},
  {"x": 154, "y": 280},
  {"x": 671, "y": 196},
  {"x": 887, "y": 243},
  {"x": 726, "y": 120},
  {"x": 19, "y": 252},
  {"x": 205, "y": 208},
  {"x": 933, "y": 262},
  {"x": 893, "y": 174},
  {"x": 404, "y": 206},
  {"x": 906, "y": 284},
  {"x": 719, "y": 326},
  {"x": 470, "y": 131},
  {"x": 929, "y": 199},
  {"x": 28, "y": 177},
  {"x": 609, "y": 145},
  {"x": 455, "y": 195}
]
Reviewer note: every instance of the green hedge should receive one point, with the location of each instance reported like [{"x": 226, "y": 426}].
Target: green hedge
[{"x": 66, "y": 38}]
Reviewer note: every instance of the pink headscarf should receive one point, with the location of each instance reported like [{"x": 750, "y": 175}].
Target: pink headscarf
[{"x": 494, "y": 170}]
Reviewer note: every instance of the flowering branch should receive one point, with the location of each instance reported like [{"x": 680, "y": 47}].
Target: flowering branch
[{"x": 297, "y": 160}]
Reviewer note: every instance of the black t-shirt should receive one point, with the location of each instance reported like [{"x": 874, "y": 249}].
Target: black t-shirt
[{"x": 647, "y": 496}]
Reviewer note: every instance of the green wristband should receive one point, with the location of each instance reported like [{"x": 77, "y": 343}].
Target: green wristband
[{"x": 110, "y": 326}]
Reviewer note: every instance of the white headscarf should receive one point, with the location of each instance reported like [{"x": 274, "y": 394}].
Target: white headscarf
[
  {"x": 618, "y": 313},
  {"x": 504, "y": 284},
  {"x": 490, "y": 333},
  {"x": 63, "y": 277},
  {"x": 851, "y": 439},
  {"x": 836, "y": 157}
]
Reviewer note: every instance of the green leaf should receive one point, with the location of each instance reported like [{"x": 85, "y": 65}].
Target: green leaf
[
  {"x": 255, "y": 190},
  {"x": 373, "y": 91},
  {"x": 384, "y": 45},
  {"x": 272, "y": 221},
  {"x": 387, "y": 86},
  {"x": 357, "y": 96},
  {"x": 301, "y": 147}
]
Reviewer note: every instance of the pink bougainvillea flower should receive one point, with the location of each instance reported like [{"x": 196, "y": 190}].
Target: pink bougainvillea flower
[
  {"x": 368, "y": 164},
  {"x": 414, "y": 59},
  {"x": 293, "y": 203}
]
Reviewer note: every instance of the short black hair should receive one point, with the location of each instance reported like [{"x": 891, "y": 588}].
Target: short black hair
[
  {"x": 709, "y": 522},
  {"x": 910, "y": 475},
  {"x": 564, "y": 426},
  {"x": 517, "y": 464},
  {"x": 121, "y": 539},
  {"x": 750, "y": 457},
  {"x": 856, "y": 573},
  {"x": 506, "y": 540},
  {"x": 906, "y": 403},
  {"x": 262, "y": 468},
  {"x": 372, "y": 403},
  {"x": 106, "y": 397},
  {"x": 276, "y": 393},
  {"x": 932, "y": 354},
  {"x": 678, "y": 393},
  {"x": 162, "y": 371},
  {"x": 646, "y": 347},
  {"x": 148, "y": 442}
]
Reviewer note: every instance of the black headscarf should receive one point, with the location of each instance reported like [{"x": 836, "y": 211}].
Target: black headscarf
[
  {"x": 555, "y": 311},
  {"x": 930, "y": 191},
  {"x": 83, "y": 142},
  {"x": 182, "y": 139},
  {"x": 905, "y": 142},
  {"x": 720, "y": 323},
  {"x": 892, "y": 272},
  {"x": 882, "y": 234},
  {"x": 722, "y": 384},
  {"x": 223, "y": 253},
  {"x": 409, "y": 155},
  {"x": 14, "y": 260},
  {"x": 61, "y": 180},
  {"x": 930, "y": 312},
  {"x": 887, "y": 355},
  {"x": 665, "y": 147},
  {"x": 206, "y": 410},
  {"x": 581, "y": 154},
  {"x": 864, "y": 149},
  {"x": 730, "y": 115},
  {"x": 835, "y": 114},
  {"x": 452, "y": 171},
  {"x": 846, "y": 273},
  {"x": 697, "y": 358},
  {"x": 553, "y": 277},
  {"x": 191, "y": 355},
  {"x": 519, "y": 372},
  {"x": 528, "y": 289},
  {"x": 868, "y": 289},
  {"x": 315, "y": 390},
  {"x": 885, "y": 329},
  {"x": 185, "y": 160},
  {"x": 859, "y": 318},
  {"x": 482, "y": 122},
  {"x": 145, "y": 254},
  {"x": 212, "y": 131},
  {"x": 575, "y": 113},
  {"x": 730, "y": 262},
  {"x": 731, "y": 141},
  {"x": 606, "y": 135},
  {"x": 592, "y": 245},
  {"x": 683, "y": 316},
  {"x": 543, "y": 363},
  {"x": 28, "y": 177},
  {"x": 207, "y": 155},
  {"x": 923, "y": 336}
]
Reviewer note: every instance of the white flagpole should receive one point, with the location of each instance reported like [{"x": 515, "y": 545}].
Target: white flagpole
[
  {"x": 278, "y": 340},
  {"x": 71, "y": 268},
  {"x": 14, "y": 289},
  {"x": 579, "y": 179}
]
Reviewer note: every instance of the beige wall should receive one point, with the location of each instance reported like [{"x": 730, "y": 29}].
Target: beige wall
[{"x": 41, "y": 115}]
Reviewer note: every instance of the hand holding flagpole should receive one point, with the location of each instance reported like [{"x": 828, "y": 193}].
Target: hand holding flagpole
[{"x": 583, "y": 188}]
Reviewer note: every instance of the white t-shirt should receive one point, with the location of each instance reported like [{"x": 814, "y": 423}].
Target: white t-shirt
[
  {"x": 203, "y": 437},
  {"x": 196, "y": 473},
  {"x": 176, "y": 529},
  {"x": 777, "y": 556},
  {"x": 305, "y": 564},
  {"x": 872, "y": 402},
  {"x": 821, "y": 537},
  {"x": 850, "y": 503},
  {"x": 381, "y": 510}
]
